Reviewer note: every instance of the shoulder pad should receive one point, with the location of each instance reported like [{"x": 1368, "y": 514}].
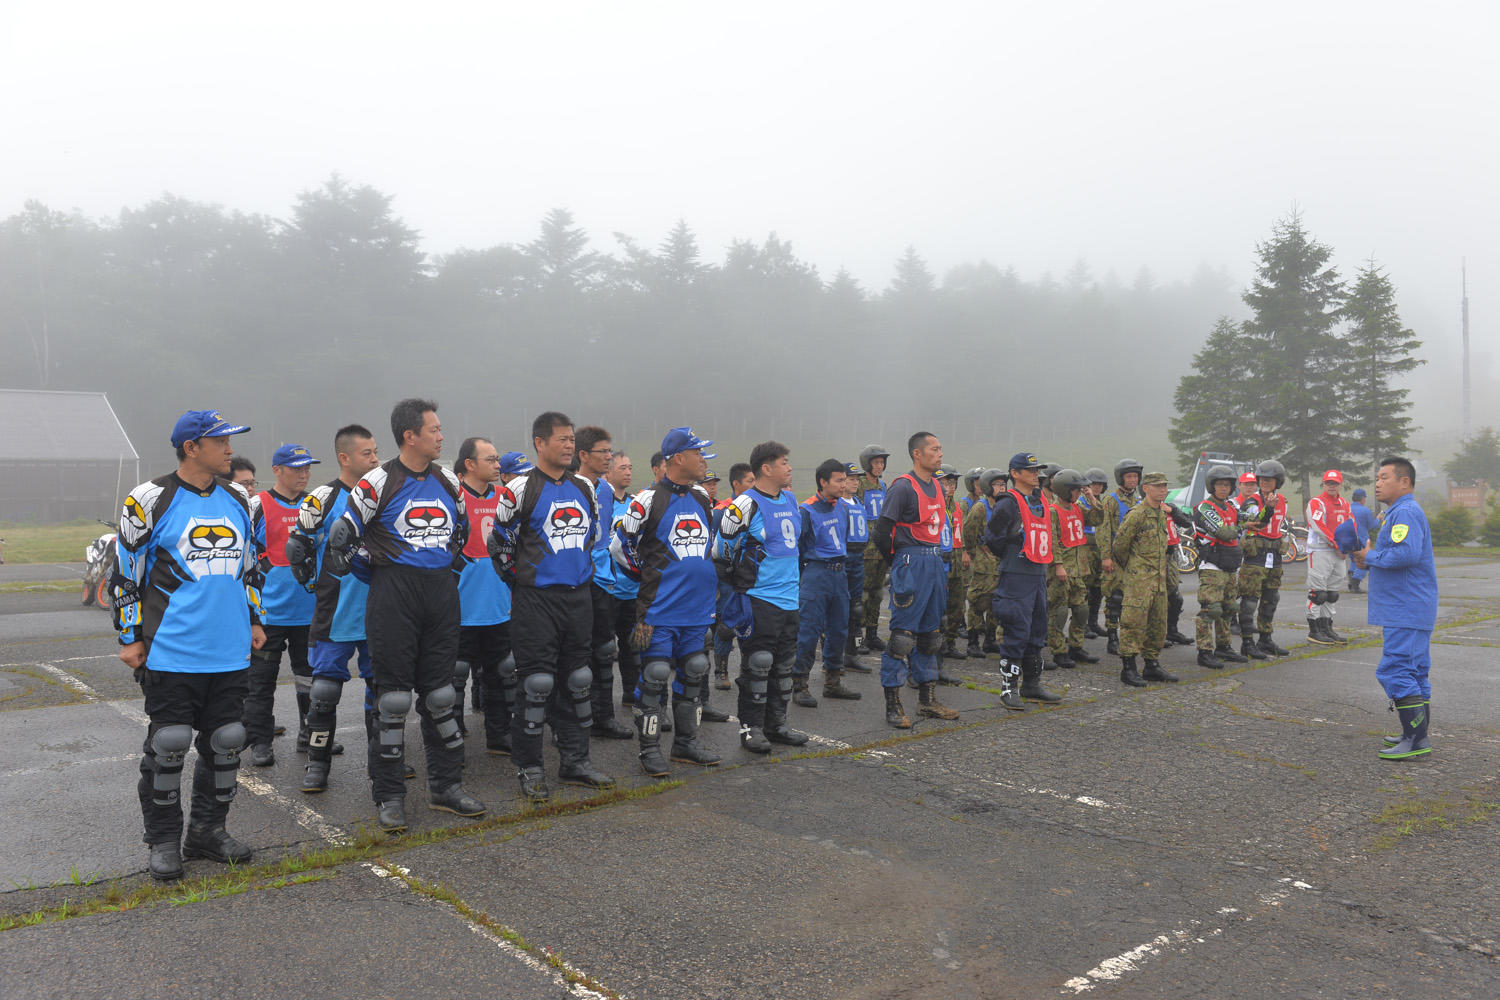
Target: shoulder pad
[{"x": 139, "y": 512}]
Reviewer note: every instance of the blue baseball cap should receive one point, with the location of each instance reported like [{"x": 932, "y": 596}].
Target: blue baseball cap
[
  {"x": 1025, "y": 460},
  {"x": 853, "y": 469},
  {"x": 293, "y": 456},
  {"x": 195, "y": 424},
  {"x": 680, "y": 439},
  {"x": 514, "y": 463},
  {"x": 710, "y": 477},
  {"x": 1359, "y": 494}
]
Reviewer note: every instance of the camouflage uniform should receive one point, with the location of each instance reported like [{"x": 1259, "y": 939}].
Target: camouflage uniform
[
  {"x": 1217, "y": 589},
  {"x": 876, "y": 569},
  {"x": 1140, "y": 554},
  {"x": 958, "y": 575},
  {"x": 1259, "y": 585},
  {"x": 1065, "y": 596},
  {"x": 1117, "y": 502},
  {"x": 984, "y": 571}
]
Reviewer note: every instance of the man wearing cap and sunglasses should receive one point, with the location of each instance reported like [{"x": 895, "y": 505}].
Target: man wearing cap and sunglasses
[
  {"x": 187, "y": 607},
  {"x": 288, "y": 605},
  {"x": 1325, "y": 563}
]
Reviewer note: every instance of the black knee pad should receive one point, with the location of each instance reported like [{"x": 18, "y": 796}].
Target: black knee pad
[
  {"x": 169, "y": 747},
  {"x": 461, "y": 671},
  {"x": 536, "y": 688},
  {"x": 580, "y": 681},
  {"x": 655, "y": 675},
  {"x": 226, "y": 742},
  {"x": 324, "y": 695},
  {"x": 439, "y": 702},
  {"x": 1316, "y": 597},
  {"x": 390, "y": 710},
  {"x": 1114, "y": 604},
  {"x": 694, "y": 669},
  {"x": 1331, "y": 596},
  {"x": 901, "y": 643},
  {"x": 605, "y": 651},
  {"x": 929, "y": 642}
]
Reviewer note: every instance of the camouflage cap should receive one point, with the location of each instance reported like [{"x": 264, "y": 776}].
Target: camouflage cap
[{"x": 1154, "y": 479}]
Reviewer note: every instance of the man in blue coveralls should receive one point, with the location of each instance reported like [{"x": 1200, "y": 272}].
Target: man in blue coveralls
[
  {"x": 823, "y": 594},
  {"x": 910, "y": 534},
  {"x": 1403, "y": 601}
]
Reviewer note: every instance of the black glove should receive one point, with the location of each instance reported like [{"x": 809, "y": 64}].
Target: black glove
[
  {"x": 341, "y": 544},
  {"x": 301, "y": 559},
  {"x": 501, "y": 545}
]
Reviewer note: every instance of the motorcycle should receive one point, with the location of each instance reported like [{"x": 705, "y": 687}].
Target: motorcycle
[{"x": 100, "y": 560}]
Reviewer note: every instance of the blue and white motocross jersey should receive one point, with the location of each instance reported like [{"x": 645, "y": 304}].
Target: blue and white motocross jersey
[
  {"x": 775, "y": 524},
  {"x": 613, "y": 578},
  {"x": 554, "y": 547},
  {"x": 340, "y": 612},
  {"x": 189, "y": 582},
  {"x": 416, "y": 524},
  {"x": 663, "y": 537}
]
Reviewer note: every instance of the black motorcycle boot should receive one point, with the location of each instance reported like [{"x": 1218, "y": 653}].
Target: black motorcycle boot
[
  {"x": 873, "y": 640},
  {"x": 214, "y": 843},
  {"x": 454, "y": 799},
  {"x": 1251, "y": 651},
  {"x": 685, "y": 744},
  {"x": 1113, "y": 646},
  {"x": 533, "y": 782},
  {"x": 1208, "y": 660},
  {"x": 1227, "y": 654},
  {"x": 1031, "y": 681},
  {"x": 1080, "y": 655},
  {"x": 1010, "y": 682},
  {"x": 166, "y": 861},
  {"x": 975, "y": 651},
  {"x": 1128, "y": 673},
  {"x": 1268, "y": 645}
]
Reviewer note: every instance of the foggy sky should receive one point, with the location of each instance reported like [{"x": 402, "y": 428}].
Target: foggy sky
[{"x": 1148, "y": 135}]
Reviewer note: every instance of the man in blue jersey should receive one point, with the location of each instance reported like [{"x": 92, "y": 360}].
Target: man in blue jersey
[
  {"x": 338, "y": 627},
  {"x": 545, "y": 526},
  {"x": 594, "y": 451},
  {"x": 411, "y": 517},
  {"x": 1019, "y": 533},
  {"x": 620, "y": 586},
  {"x": 662, "y": 539},
  {"x": 823, "y": 589},
  {"x": 871, "y": 494},
  {"x": 1404, "y": 602},
  {"x": 909, "y": 534},
  {"x": 757, "y": 547},
  {"x": 854, "y": 567},
  {"x": 188, "y": 613},
  {"x": 287, "y": 604},
  {"x": 483, "y": 603}
]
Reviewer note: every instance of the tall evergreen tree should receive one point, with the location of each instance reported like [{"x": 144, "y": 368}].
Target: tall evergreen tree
[
  {"x": 1218, "y": 406},
  {"x": 1297, "y": 353},
  {"x": 1379, "y": 350}
]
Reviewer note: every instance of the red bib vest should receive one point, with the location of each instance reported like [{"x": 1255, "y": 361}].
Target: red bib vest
[
  {"x": 1329, "y": 514},
  {"x": 280, "y": 520},
  {"x": 931, "y": 514},
  {"x": 1070, "y": 527},
  {"x": 1278, "y": 518},
  {"x": 481, "y": 511},
  {"x": 1036, "y": 531}
]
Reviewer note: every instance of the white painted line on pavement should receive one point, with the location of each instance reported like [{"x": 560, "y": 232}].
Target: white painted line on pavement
[
  {"x": 305, "y": 816},
  {"x": 556, "y": 974},
  {"x": 1179, "y": 939},
  {"x": 69, "y": 681},
  {"x": 22, "y": 772}
]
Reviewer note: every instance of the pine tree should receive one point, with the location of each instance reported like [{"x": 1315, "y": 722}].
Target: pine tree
[
  {"x": 1297, "y": 356},
  {"x": 1379, "y": 350},
  {"x": 1218, "y": 405}
]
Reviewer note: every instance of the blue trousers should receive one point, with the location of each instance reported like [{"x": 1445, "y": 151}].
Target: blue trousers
[
  {"x": 823, "y": 610},
  {"x": 1355, "y": 573},
  {"x": 1405, "y": 659},
  {"x": 919, "y": 597},
  {"x": 331, "y": 659},
  {"x": 1020, "y": 606},
  {"x": 673, "y": 643}
]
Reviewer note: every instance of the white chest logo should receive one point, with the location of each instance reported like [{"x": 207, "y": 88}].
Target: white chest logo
[
  {"x": 688, "y": 536},
  {"x": 566, "y": 525},
  {"x": 211, "y": 546},
  {"x": 424, "y": 524}
]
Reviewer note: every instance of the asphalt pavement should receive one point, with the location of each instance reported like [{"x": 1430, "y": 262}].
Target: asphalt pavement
[{"x": 1230, "y": 836}]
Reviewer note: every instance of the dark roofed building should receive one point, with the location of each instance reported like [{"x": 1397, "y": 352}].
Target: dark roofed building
[{"x": 63, "y": 456}]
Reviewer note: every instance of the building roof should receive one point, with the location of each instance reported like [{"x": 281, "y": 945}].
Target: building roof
[{"x": 42, "y": 425}]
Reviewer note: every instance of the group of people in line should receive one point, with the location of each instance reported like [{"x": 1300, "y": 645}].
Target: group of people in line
[{"x": 528, "y": 583}]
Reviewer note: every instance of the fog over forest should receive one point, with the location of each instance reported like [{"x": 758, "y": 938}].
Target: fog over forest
[{"x": 825, "y": 225}]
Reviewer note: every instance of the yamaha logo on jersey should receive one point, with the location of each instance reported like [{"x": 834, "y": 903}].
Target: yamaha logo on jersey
[
  {"x": 424, "y": 524},
  {"x": 566, "y": 525},
  {"x": 211, "y": 546},
  {"x": 688, "y": 536}
]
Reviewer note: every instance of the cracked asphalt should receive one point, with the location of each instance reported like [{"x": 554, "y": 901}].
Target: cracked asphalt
[{"x": 1230, "y": 836}]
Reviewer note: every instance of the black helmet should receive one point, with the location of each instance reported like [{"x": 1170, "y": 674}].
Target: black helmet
[
  {"x": 1096, "y": 475},
  {"x": 946, "y": 471},
  {"x": 1271, "y": 467},
  {"x": 869, "y": 453},
  {"x": 971, "y": 477},
  {"x": 1125, "y": 465},
  {"x": 1068, "y": 479},
  {"x": 1050, "y": 470},
  {"x": 987, "y": 480},
  {"x": 1217, "y": 473}
]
